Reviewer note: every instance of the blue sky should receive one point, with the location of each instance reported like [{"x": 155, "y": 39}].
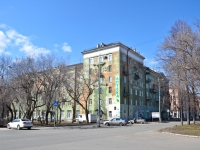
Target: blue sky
[{"x": 68, "y": 27}]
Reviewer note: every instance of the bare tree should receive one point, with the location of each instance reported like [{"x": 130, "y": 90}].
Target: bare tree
[{"x": 179, "y": 55}]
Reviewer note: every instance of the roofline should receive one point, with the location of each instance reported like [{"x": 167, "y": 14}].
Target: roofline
[{"x": 111, "y": 45}]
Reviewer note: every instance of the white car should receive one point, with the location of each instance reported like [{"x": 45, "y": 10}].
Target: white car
[
  {"x": 20, "y": 123},
  {"x": 115, "y": 121}
]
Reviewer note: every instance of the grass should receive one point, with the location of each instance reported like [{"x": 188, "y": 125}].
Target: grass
[{"x": 192, "y": 129}]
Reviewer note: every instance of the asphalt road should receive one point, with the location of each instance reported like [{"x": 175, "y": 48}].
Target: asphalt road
[{"x": 89, "y": 137}]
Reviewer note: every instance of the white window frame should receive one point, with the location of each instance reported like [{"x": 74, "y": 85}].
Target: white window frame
[
  {"x": 135, "y": 92},
  {"x": 124, "y": 79},
  {"x": 110, "y": 79},
  {"x": 90, "y": 102},
  {"x": 69, "y": 113},
  {"x": 131, "y": 91},
  {"x": 123, "y": 57},
  {"x": 124, "y": 101},
  {"x": 109, "y": 57},
  {"x": 100, "y": 59},
  {"x": 91, "y": 60},
  {"x": 110, "y": 101},
  {"x": 110, "y": 114},
  {"x": 136, "y": 103}
]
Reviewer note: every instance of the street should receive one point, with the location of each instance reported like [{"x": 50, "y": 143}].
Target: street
[{"x": 89, "y": 137}]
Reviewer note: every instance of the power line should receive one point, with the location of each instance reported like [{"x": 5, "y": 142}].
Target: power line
[{"x": 149, "y": 41}]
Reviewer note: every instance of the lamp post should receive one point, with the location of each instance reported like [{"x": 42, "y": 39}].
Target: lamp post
[
  {"x": 99, "y": 91},
  {"x": 160, "y": 119}
]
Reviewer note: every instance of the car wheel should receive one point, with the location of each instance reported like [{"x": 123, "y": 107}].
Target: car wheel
[
  {"x": 8, "y": 126},
  {"x": 107, "y": 124},
  {"x": 18, "y": 127},
  {"x": 29, "y": 128},
  {"x": 120, "y": 124}
]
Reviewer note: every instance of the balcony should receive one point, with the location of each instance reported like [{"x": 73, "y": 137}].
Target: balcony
[
  {"x": 148, "y": 98},
  {"x": 136, "y": 76},
  {"x": 125, "y": 94},
  {"x": 125, "y": 72},
  {"x": 153, "y": 90},
  {"x": 148, "y": 80},
  {"x": 147, "y": 72}
]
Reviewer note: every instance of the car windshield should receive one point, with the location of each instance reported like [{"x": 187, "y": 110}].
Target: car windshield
[{"x": 25, "y": 120}]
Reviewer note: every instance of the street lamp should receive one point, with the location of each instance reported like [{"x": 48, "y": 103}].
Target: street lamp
[
  {"x": 99, "y": 91},
  {"x": 160, "y": 119},
  {"x": 159, "y": 98}
]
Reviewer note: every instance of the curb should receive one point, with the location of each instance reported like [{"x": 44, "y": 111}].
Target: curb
[{"x": 191, "y": 136}]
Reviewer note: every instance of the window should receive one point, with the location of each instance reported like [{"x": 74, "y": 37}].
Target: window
[
  {"x": 124, "y": 79},
  {"x": 135, "y": 92},
  {"x": 146, "y": 85},
  {"x": 90, "y": 102},
  {"x": 135, "y": 102},
  {"x": 131, "y": 81},
  {"x": 100, "y": 58},
  {"x": 109, "y": 89},
  {"x": 109, "y": 57},
  {"x": 110, "y": 101},
  {"x": 124, "y": 57},
  {"x": 110, "y": 79},
  {"x": 110, "y": 114},
  {"x": 110, "y": 68},
  {"x": 91, "y": 60},
  {"x": 69, "y": 103},
  {"x": 62, "y": 114},
  {"x": 131, "y": 102},
  {"x": 68, "y": 113},
  {"x": 131, "y": 91},
  {"x": 124, "y": 101},
  {"x": 140, "y": 93},
  {"x": 130, "y": 61}
]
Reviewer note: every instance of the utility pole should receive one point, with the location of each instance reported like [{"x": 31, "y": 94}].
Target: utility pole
[{"x": 159, "y": 99}]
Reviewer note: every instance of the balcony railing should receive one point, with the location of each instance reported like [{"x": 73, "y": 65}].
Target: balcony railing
[
  {"x": 148, "y": 80},
  {"x": 125, "y": 72},
  {"x": 125, "y": 94},
  {"x": 136, "y": 76},
  {"x": 148, "y": 98},
  {"x": 153, "y": 90},
  {"x": 147, "y": 72}
]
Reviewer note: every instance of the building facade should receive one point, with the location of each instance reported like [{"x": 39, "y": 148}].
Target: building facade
[{"x": 128, "y": 88}]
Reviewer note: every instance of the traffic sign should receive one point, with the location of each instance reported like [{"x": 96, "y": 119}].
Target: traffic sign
[{"x": 55, "y": 103}]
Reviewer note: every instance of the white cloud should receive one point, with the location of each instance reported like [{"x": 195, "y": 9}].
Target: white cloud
[
  {"x": 4, "y": 41},
  {"x": 23, "y": 43},
  {"x": 66, "y": 47},
  {"x": 151, "y": 62}
]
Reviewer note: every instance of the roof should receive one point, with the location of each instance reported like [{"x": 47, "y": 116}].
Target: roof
[{"x": 111, "y": 45}]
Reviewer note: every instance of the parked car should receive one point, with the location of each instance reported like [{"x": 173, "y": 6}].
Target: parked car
[
  {"x": 1, "y": 122},
  {"x": 137, "y": 120},
  {"x": 115, "y": 121},
  {"x": 20, "y": 123},
  {"x": 140, "y": 120}
]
